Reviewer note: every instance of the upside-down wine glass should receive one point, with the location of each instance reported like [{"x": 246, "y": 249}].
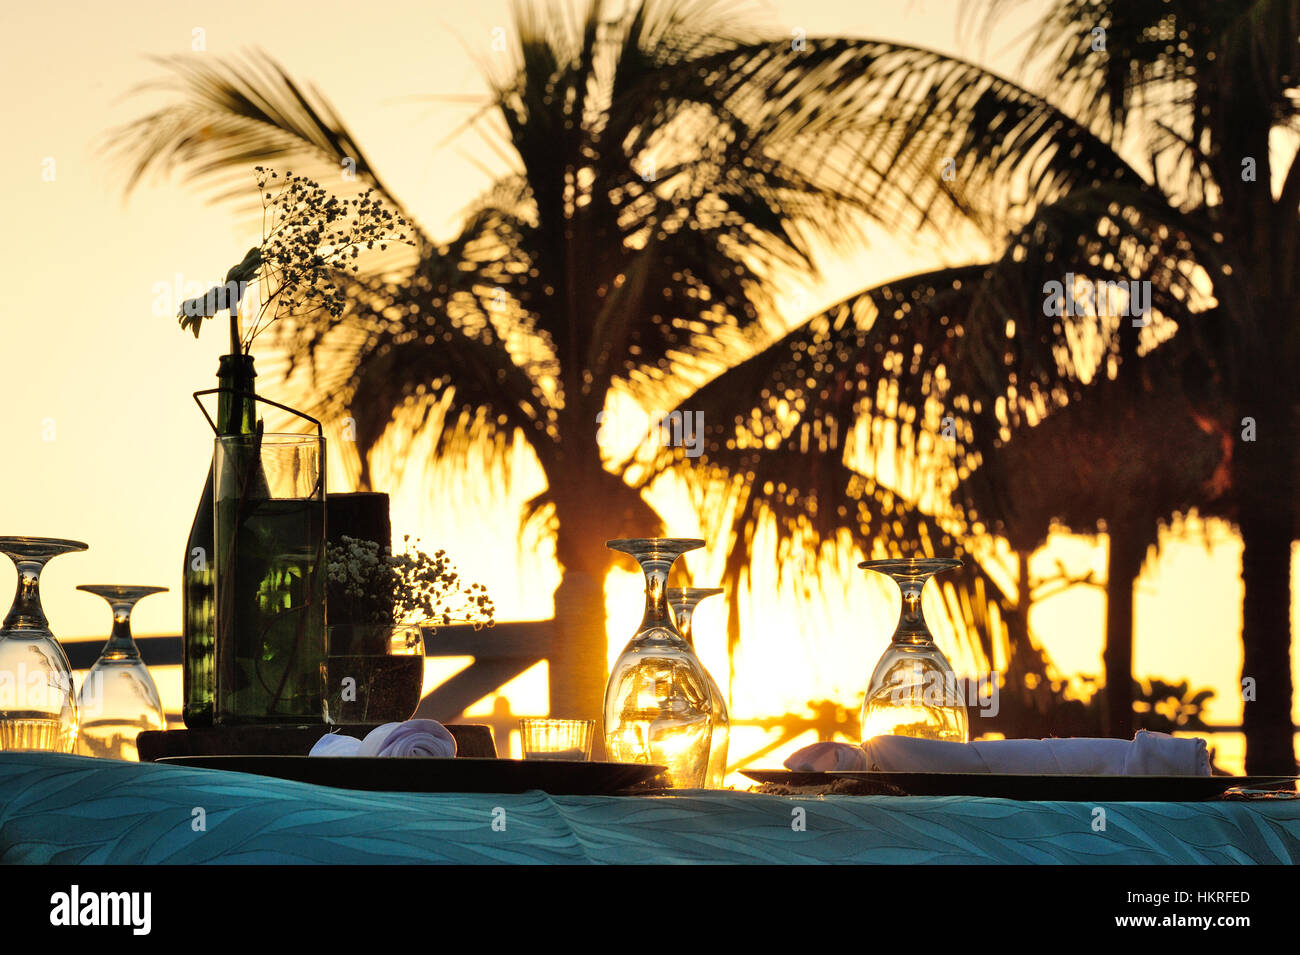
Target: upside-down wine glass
[
  {"x": 913, "y": 689},
  {"x": 684, "y": 600},
  {"x": 37, "y": 708},
  {"x": 657, "y": 701},
  {"x": 118, "y": 699}
]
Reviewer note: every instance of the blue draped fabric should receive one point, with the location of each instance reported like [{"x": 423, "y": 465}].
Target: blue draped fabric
[{"x": 72, "y": 809}]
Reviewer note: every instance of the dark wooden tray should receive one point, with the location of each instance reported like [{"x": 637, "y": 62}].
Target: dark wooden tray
[
  {"x": 1041, "y": 787},
  {"x": 424, "y": 774},
  {"x": 472, "y": 740}
]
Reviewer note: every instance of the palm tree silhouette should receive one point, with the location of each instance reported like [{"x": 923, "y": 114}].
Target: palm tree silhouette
[
  {"x": 970, "y": 360},
  {"x": 670, "y": 169}
]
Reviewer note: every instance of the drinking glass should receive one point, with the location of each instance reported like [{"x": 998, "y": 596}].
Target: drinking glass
[
  {"x": 913, "y": 689},
  {"x": 657, "y": 702},
  {"x": 118, "y": 699},
  {"x": 684, "y": 600},
  {"x": 37, "y": 708},
  {"x": 545, "y": 738},
  {"x": 373, "y": 673},
  {"x": 269, "y": 517}
]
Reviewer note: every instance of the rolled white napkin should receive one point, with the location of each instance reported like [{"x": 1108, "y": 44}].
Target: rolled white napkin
[
  {"x": 336, "y": 744},
  {"x": 827, "y": 757},
  {"x": 411, "y": 738},
  {"x": 1159, "y": 754},
  {"x": 1148, "y": 754}
]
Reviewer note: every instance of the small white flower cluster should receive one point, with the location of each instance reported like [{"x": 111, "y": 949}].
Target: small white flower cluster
[{"x": 374, "y": 585}]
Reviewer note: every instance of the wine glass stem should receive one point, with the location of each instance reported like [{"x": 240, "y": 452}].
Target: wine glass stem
[
  {"x": 656, "y": 601},
  {"x": 26, "y": 613},
  {"x": 911, "y": 621},
  {"x": 684, "y": 613},
  {"x": 120, "y": 643}
]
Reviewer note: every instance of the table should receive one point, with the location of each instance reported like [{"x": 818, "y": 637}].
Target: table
[{"x": 72, "y": 809}]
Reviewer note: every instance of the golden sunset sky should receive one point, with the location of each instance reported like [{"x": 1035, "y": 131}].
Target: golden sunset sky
[{"x": 101, "y": 442}]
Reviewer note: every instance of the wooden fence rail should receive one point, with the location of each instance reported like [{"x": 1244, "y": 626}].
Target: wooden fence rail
[{"x": 500, "y": 654}]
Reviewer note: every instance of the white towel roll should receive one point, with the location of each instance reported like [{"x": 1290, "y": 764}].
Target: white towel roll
[
  {"x": 1147, "y": 754},
  {"x": 336, "y": 744},
  {"x": 411, "y": 738}
]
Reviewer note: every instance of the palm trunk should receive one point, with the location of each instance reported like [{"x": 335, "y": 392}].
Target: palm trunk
[
  {"x": 1125, "y": 551},
  {"x": 577, "y": 660},
  {"x": 1264, "y": 458},
  {"x": 1022, "y": 656},
  {"x": 1265, "y": 477},
  {"x": 591, "y": 507}
]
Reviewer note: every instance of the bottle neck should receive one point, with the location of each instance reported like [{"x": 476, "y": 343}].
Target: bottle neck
[{"x": 236, "y": 413}]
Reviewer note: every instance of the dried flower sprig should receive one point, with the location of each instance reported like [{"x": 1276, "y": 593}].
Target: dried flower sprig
[
  {"x": 402, "y": 589},
  {"x": 309, "y": 240}
]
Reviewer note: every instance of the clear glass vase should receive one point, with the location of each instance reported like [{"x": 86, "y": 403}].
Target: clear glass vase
[
  {"x": 684, "y": 600},
  {"x": 37, "y": 707},
  {"x": 913, "y": 689},
  {"x": 657, "y": 704},
  {"x": 269, "y": 534},
  {"x": 118, "y": 699}
]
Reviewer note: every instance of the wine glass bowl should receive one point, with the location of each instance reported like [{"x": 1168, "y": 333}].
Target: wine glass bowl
[
  {"x": 913, "y": 689},
  {"x": 683, "y": 601},
  {"x": 118, "y": 699},
  {"x": 37, "y": 706},
  {"x": 653, "y": 549},
  {"x": 911, "y": 568},
  {"x": 657, "y": 702}
]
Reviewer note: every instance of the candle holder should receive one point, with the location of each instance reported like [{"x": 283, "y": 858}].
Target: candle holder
[{"x": 546, "y": 738}]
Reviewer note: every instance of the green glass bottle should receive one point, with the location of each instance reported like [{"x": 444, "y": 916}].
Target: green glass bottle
[{"x": 236, "y": 414}]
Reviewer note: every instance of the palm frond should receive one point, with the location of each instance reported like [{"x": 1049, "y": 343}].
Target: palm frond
[
  {"x": 758, "y": 147},
  {"x": 424, "y": 344},
  {"x": 927, "y": 379},
  {"x": 1087, "y": 465},
  {"x": 228, "y": 115},
  {"x": 866, "y": 520},
  {"x": 1185, "y": 69},
  {"x": 1127, "y": 61},
  {"x": 886, "y": 121}
]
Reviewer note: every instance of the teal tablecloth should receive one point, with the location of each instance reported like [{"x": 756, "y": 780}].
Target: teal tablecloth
[{"x": 70, "y": 809}]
